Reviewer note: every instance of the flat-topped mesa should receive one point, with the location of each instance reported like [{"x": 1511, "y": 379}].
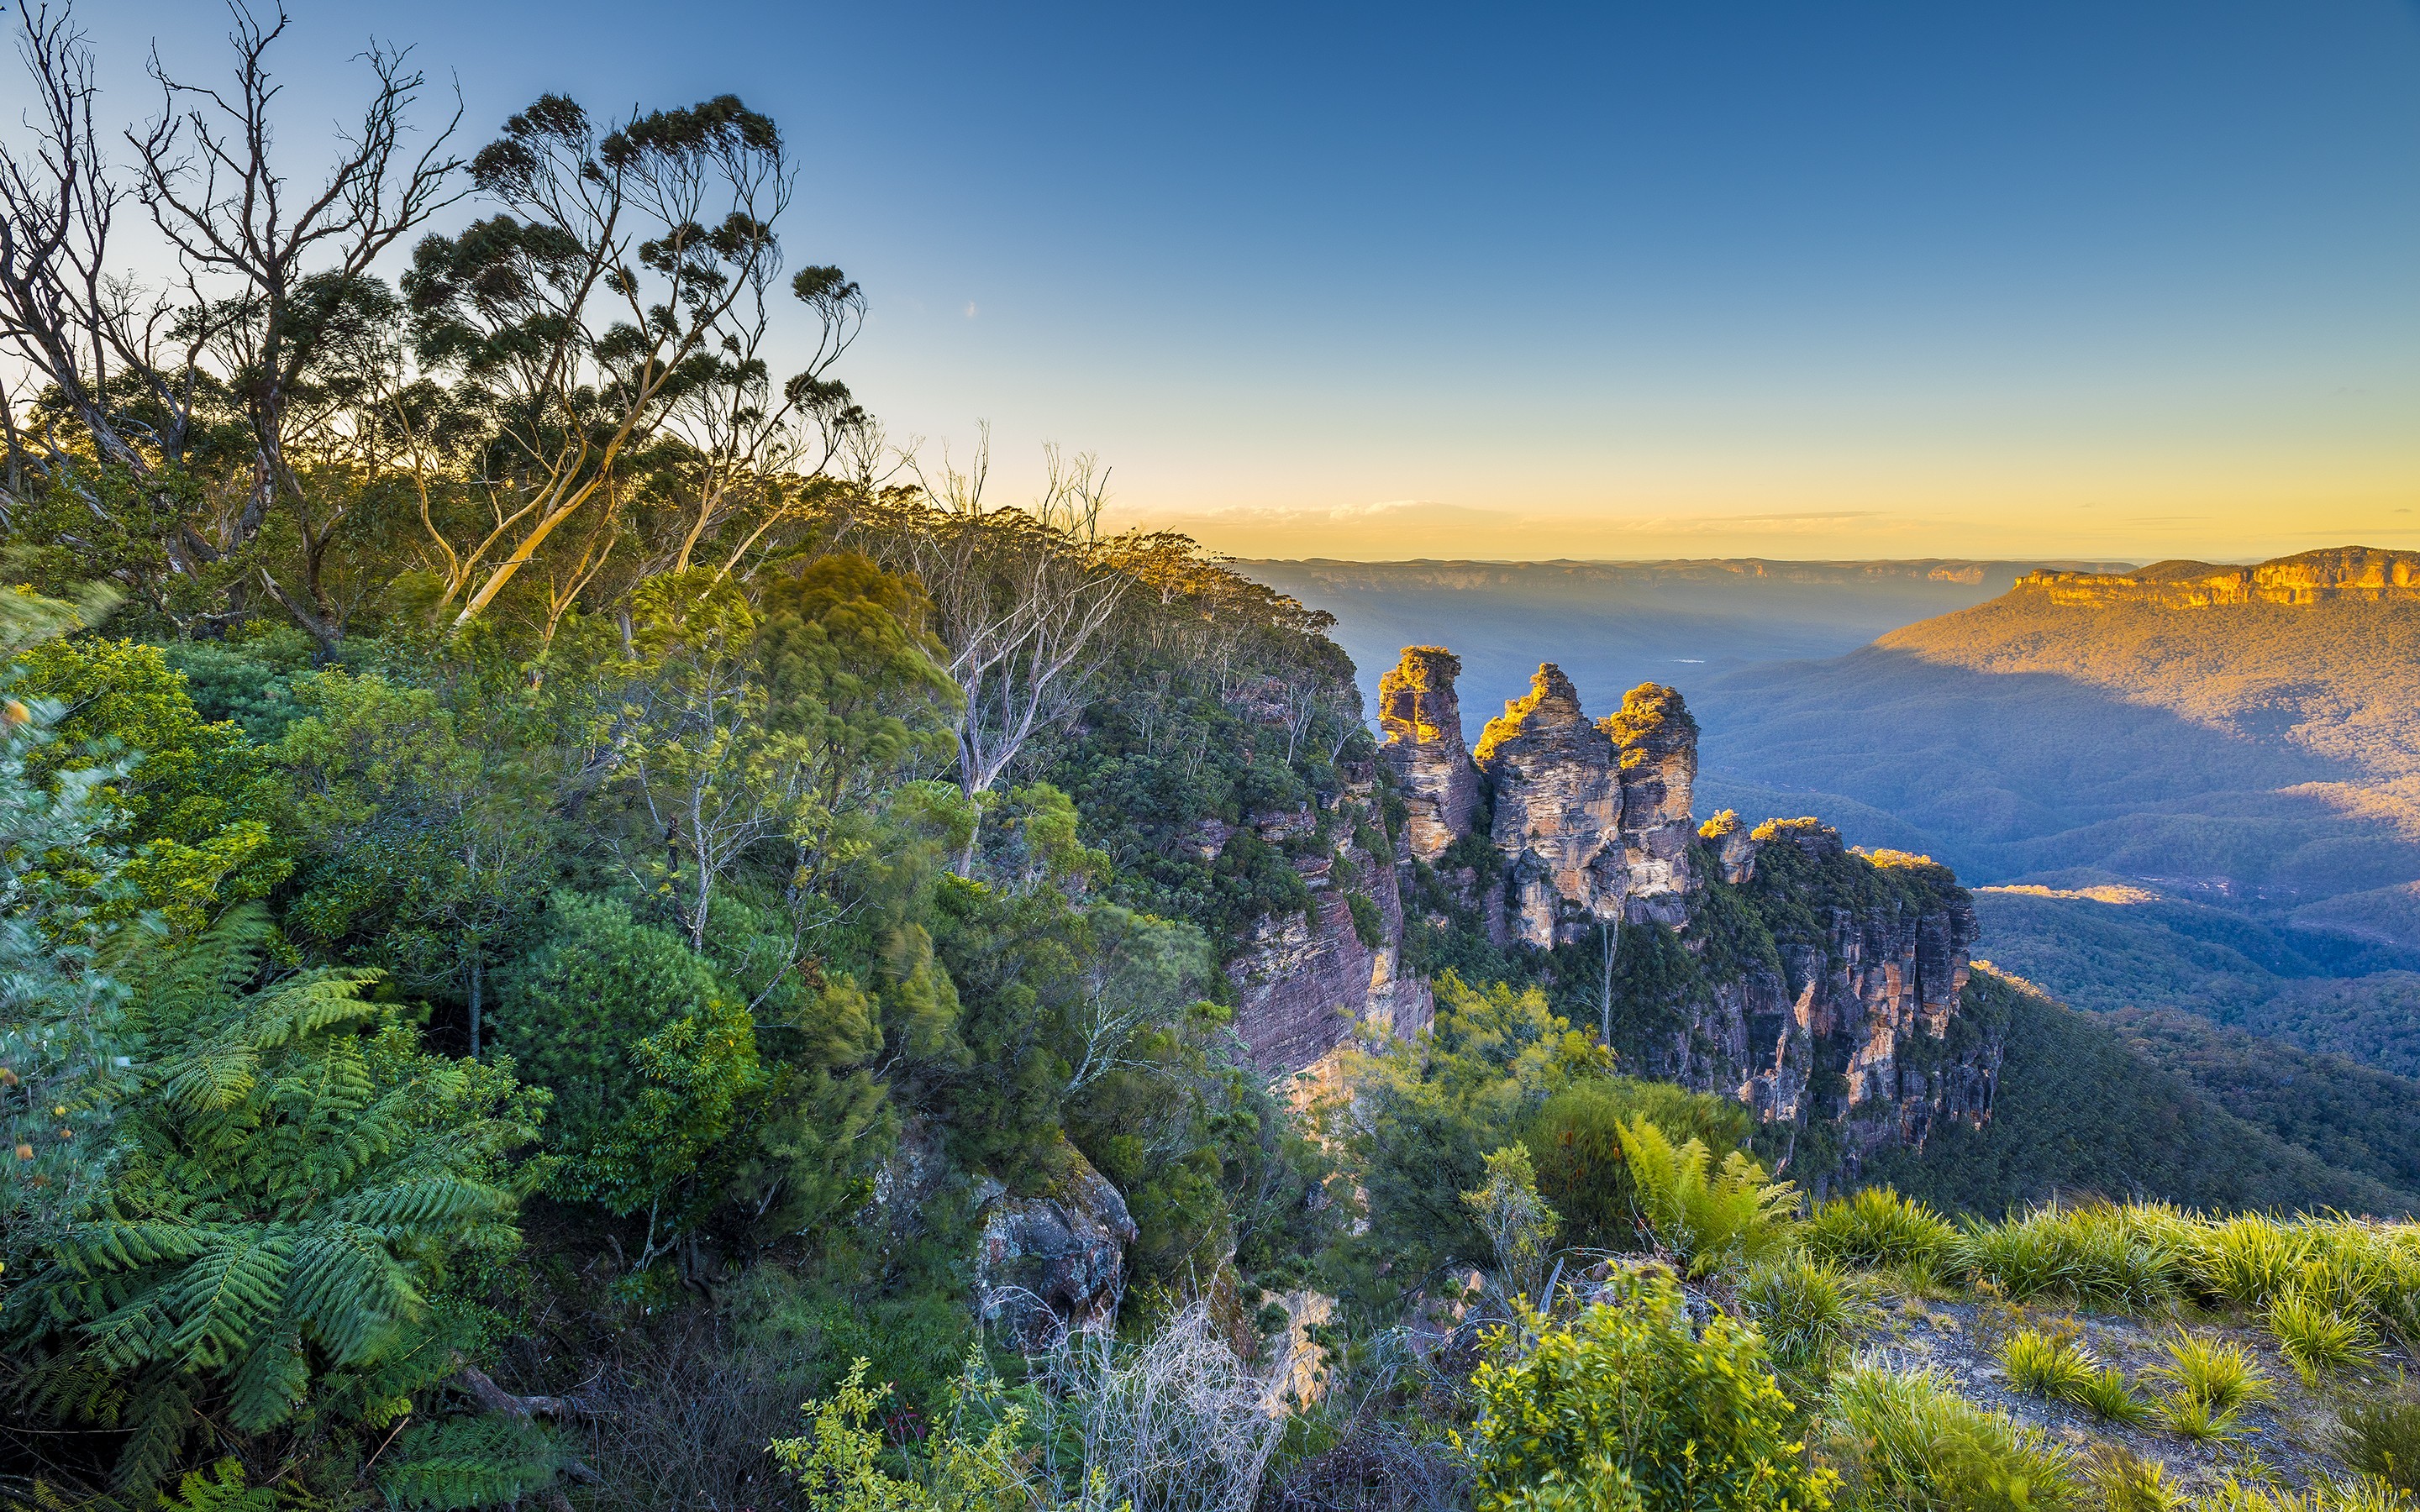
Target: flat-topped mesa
[
  {"x": 1557, "y": 794},
  {"x": 1657, "y": 742},
  {"x": 2344, "y": 572},
  {"x": 1420, "y": 720}
]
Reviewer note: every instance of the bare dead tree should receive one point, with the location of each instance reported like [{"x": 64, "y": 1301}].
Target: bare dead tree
[
  {"x": 285, "y": 260},
  {"x": 1020, "y": 598}
]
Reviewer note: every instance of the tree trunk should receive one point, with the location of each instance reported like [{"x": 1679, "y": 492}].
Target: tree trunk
[{"x": 477, "y": 981}]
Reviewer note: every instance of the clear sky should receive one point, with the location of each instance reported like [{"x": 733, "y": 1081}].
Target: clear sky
[{"x": 1789, "y": 279}]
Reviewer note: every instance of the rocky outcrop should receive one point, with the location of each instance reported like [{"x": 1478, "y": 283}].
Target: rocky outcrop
[
  {"x": 1861, "y": 1024},
  {"x": 1055, "y": 1263},
  {"x": 2350, "y": 572},
  {"x": 1307, "y": 980},
  {"x": 1419, "y": 725},
  {"x": 1556, "y": 798},
  {"x": 1822, "y": 985},
  {"x": 1657, "y": 742}
]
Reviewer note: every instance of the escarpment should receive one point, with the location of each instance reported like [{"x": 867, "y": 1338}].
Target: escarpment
[{"x": 2348, "y": 571}]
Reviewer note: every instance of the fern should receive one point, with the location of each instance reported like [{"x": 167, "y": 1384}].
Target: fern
[
  {"x": 468, "y": 1462},
  {"x": 1708, "y": 1216},
  {"x": 299, "y": 1173}
]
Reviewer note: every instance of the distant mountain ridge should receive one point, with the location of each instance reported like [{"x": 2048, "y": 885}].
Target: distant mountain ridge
[{"x": 2351, "y": 572}]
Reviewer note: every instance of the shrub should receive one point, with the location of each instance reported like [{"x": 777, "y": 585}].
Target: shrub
[
  {"x": 2130, "y": 1483},
  {"x": 2217, "y": 1372},
  {"x": 1575, "y": 1138},
  {"x": 2191, "y": 1417},
  {"x": 1808, "y": 1309},
  {"x": 1517, "y": 1222},
  {"x": 1876, "y": 1226},
  {"x": 2044, "y": 1363},
  {"x": 2365, "y": 1494},
  {"x": 1628, "y": 1407},
  {"x": 2317, "y": 1337},
  {"x": 1709, "y": 1217},
  {"x": 2383, "y": 1438},
  {"x": 1911, "y": 1444}
]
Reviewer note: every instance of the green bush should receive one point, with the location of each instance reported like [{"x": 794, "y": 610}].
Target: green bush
[
  {"x": 1709, "y": 1216},
  {"x": 1910, "y": 1443},
  {"x": 646, "y": 1051},
  {"x": 1629, "y": 1407},
  {"x": 2046, "y": 1365},
  {"x": 1874, "y": 1225},
  {"x": 1574, "y": 1141},
  {"x": 2216, "y": 1371},
  {"x": 1808, "y": 1309},
  {"x": 2382, "y": 1438},
  {"x": 2317, "y": 1337}
]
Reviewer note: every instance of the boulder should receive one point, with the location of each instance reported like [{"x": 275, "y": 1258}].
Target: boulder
[{"x": 1053, "y": 1263}]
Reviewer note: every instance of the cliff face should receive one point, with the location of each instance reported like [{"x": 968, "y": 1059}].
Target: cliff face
[
  {"x": 1820, "y": 986},
  {"x": 2350, "y": 572},
  {"x": 1419, "y": 724}
]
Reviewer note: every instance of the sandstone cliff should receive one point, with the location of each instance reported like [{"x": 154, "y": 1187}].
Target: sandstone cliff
[
  {"x": 1823, "y": 987},
  {"x": 2350, "y": 572},
  {"x": 1419, "y": 723}
]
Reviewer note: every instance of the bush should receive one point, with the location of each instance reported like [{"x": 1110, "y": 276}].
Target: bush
[
  {"x": 2125, "y": 1258},
  {"x": 2383, "y": 1438},
  {"x": 1911, "y": 1442},
  {"x": 2215, "y": 1371},
  {"x": 1575, "y": 1140},
  {"x": 2316, "y": 1336},
  {"x": 1708, "y": 1217},
  {"x": 1627, "y": 1407},
  {"x": 1808, "y": 1309},
  {"x": 2130, "y": 1483},
  {"x": 1876, "y": 1226}
]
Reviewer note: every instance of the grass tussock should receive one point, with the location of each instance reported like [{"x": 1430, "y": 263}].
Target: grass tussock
[{"x": 1909, "y": 1443}]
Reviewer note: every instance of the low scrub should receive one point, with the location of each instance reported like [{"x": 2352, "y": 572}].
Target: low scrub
[
  {"x": 1876, "y": 1226},
  {"x": 2382, "y": 1438},
  {"x": 1809, "y": 1310},
  {"x": 1909, "y": 1442}
]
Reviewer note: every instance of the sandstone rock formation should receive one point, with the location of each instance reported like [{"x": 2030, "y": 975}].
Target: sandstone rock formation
[
  {"x": 1557, "y": 810},
  {"x": 1419, "y": 723},
  {"x": 1053, "y": 1264},
  {"x": 2351, "y": 572},
  {"x": 1657, "y": 742}
]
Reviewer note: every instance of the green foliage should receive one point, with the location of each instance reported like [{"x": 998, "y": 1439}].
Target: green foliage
[
  {"x": 1908, "y": 1441},
  {"x": 1423, "y": 1116},
  {"x": 2380, "y": 1436},
  {"x": 196, "y": 804},
  {"x": 2047, "y": 1364},
  {"x": 1628, "y": 1406},
  {"x": 2318, "y": 1336},
  {"x": 448, "y": 1464},
  {"x": 838, "y": 1461},
  {"x": 301, "y": 1181},
  {"x": 1518, "y": 1224},
  {"x": 1809, "y": 1310},
  {"x": 2211, "y": 1369},
  {"x": 650, "y": 1056},
  {"x": 1575, "y": 1140},
  {"x": 2128, "y": 1257},
  {"x": 1712, "y": 1217},
  {"x": 1876, "y": 1226}
]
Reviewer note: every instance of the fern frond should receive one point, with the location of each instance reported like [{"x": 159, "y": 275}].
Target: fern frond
[
  {"x": 158, "y": 1418},
  {"x": 348, "y": 1290},
  {"x": 468, "y": 1462},
  {"x": 221, "y": 1298},
  {"x": 268, "y": 1386},
  {"x": 222, "y": 1489}
]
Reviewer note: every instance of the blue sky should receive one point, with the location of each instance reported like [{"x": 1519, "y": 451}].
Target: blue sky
[{"x": 1615, "y": 281}]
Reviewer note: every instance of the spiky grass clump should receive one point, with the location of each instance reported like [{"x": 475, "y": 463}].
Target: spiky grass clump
[
  {"x": 2366, "y": 1493},
  {"x": 2118, "y": 1257},
  {"x": 2130, "y": 1483},
  {"x": 2318, "y": 1335},
  {"x": 1875, "y": 1227},
  {"x": 2382, "y": 1438},
  {"x": 2046, "y": 1365},
  {"x": 2217, "y": 1373},
  {"x": 2106, "y": 1395},
  {"x": 1808, "y": 1309},
  {"x": 2193, "y": 1418},
  {"x": 2247, "y": 1260},
  {"x": 1909, "y": 1441}
]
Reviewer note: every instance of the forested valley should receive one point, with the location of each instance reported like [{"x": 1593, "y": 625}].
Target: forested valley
[{"x": 584, "y": 929}]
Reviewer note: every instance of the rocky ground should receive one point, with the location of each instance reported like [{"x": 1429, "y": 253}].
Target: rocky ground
[{"x": 2289, "y": 1439}]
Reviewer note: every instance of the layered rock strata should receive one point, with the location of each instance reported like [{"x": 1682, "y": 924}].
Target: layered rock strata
[
  {"x": 1419, "y": 725},
  {"x": 1823, "y": 986},
  {"x": 2351, "y": 572}
]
